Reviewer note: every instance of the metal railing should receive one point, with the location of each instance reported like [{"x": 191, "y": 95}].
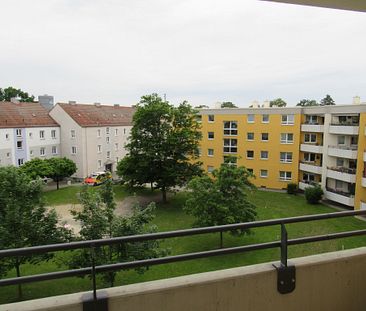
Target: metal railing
[
  {"x": 349, "y": 147},
  {"x": 342, "y": 169},
  {"x": 341, "y": 192},
  {"x": 284, "y": 285}
]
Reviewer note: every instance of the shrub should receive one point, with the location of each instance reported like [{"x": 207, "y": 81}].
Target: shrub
[
  {"x": 291, "y": 188},
  {"x": 313, "y": 194}
]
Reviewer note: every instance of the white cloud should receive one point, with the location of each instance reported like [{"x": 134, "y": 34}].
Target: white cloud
[{"x": 115, "y": 51}]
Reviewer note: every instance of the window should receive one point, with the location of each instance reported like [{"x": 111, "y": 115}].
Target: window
[
  {"x": 198, "y": 118},
  {"x": 250, "y": 118},
  {"x": 53, "y": 134},
  {"x": 341, "y": 140},
  {"x": 287, "y": 119},
  {"x": 211, "y": 118},
  {"x": 107, "y": 139},
  {"x": 73, "y": 150},
  {"x": 250, "y": 136},
  {"x": 19, "y": 145},
  {"x": 311, "y": 120},
  {"x": 41, "y": 134},
  {"x": 250, "y": 154},
  {"x": 309, "y": 157},
  {"x": 287, "y": 138},
  {"x": 8, "y": 155},
  {"x": 210, "y": 169},
  {"x": 99, "y": 163},
  {"x": 107, "y": 130},
  {"x": 230, "y": 145},
  {"x": 7, "y": 136},
  {"x": 340, "y": 162},
  {"x": 286, "y": 157},
  {"x": 210, "y": 152},
  {"x": 115, "y": 132},
  {"x": 20, "y": 162},
  {"x": 42, "y": 152},
  {"x": 99, "y": 148},
  {"x": 310, "y": 138},
  {"x": 19, "y": 132},
  {"x": 117, "y": 159},
  {"x": 30, "y": 134},
  {"x": 54, "y": 150},
  {"x": 264, "y": 155},
  {"x": 124, "y": 131},
  {"x": 231, "y": 128},
  {"x": 354, "y": 140},
  {"x": 108, "y": 154},
  {"x": 285, "y": 175},
  {"x": 31, "y": 152},
  {"x": 73, "y": 133},
  {"x": 264, "y": 136},
  {"x": 264, "y": 173},
  {"x": 98, "y": 133},
  {"x": 230, "y": 160},
  {"x": 211, "y": 135},
  {"x": 199, "y": 151},
  {"x": 116, "y": 146},
  {"x": 308, "y": 178},
  {"x": 265, "y": 118},
  {"x": 339, "y": 184}
]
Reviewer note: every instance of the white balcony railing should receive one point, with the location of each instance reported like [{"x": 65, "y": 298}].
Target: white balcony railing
[
  {"x": 315, "y": 128},
  {"x": 308, "y": 167},
  {"x": 311, "y": 148},
  {"x": 344, "y": 176},
  {"x": 339, "y": 197},
  {"x": 344, "y": 129},
  {"x": 343, "y": 152}
]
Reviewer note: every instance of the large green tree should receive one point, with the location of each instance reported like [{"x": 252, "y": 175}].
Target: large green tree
[
  {"x": 36, "y": 168},
  {"x": 163, "y": 146},
  {"x": 278, "y": 102},
  {"x": 228, "y": 105},
  {"x": 327, "y": 101},
  {"x": 24, "y": 221},
  {"x": 307, "y": 103},
  {"x": 222, "y": 198},
  {"x": 60, "y": 168},
  {"x": 8, "y": 93},
  {"x": 98, "y": 221}
]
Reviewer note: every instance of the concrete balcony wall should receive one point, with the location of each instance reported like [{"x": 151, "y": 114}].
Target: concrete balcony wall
[
  {"x": 343, "y": 129},
  {"x": 303, "y": 186},
  {"x": 364, "y": 156},
  {"x": 363, "y": 182},
  {"x": 339, "y": 198},
  {"x": 312, "y": 128},
  {"x": 333, "y": 281},
  {"x": 342, "y": 153},
  {"x": 341, "y": 176},
  {"x": 311, "y": 148},
  {"x": 311, "y": 168}
]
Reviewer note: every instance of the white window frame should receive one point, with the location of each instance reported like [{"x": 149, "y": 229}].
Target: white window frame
[
  {"x": 211, "y": 116},
  {"x": 108, "y": 155},
  {"x": 286, "y": 158},
  {"x": 264, "y": 158},
  {"x": 21, "y": 145},
  {"x": 306, "y": 177},
  {"x": 20, "y": 161},
  {"x": 230, "y": 128},
  {"x": 250, "y": 139},
  {"x": 7, "y": 136},
  {"x": 263, "y": 118},
  {"x": 208, "y": 135},
  {"x": 107, "y": 130},
  {"x": 74, "y": 150},
  {"x": 99, "y": 148},
  {"x": 115, "y": 132},
  {"x": 42, "y": 151},
  {"x": 251, "y": 158},
  {"x": 18, "y": 132},
  {"x": 285, "y": 140},
  {"x": 230, "y": 145},
  {"x": 308, "y": 156},
  {"x": 54, "y": 150},
  {"x": 310, "y": 138},
  {"x": 250, "y": 118},
  {"x": 41, "y": 134},
  {"x": 344, "y": 140},
  {"x": 53, "y": 134},
  {"x": 288, "y": 119},
  {"x": 116, "y": 146},
  {"x": 309, "y": 119},
  {"x": 264, "y": 139},
  {"x": 210, "y": 154},
  {"x": 108, "y": 140},
  {"x": 263, "y": 175},
  {"x": 99, "y": 133},
  {"x": 285, "y": 175},
  {"x": 72, "y": 134},
  {"x": 210, "y": 168},
  {"x": 99, "y": 163}
]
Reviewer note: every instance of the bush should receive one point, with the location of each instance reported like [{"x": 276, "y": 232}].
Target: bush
[
  {"x": 291, "y": 188},
  {"x": 313, "y": 194}
]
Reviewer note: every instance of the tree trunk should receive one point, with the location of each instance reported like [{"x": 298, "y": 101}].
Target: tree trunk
[
  {"x": 163, "y": 191},
  {"x": 57, "y": 181},
  {"x": 17, "y": 268},
  {"x": 152, "y": 186}
]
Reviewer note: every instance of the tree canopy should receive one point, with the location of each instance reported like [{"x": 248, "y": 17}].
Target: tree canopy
[
  {"x": 221, "y": 199},
  {"x": 228, "y": 105},
  {"x": 327, "y": 101},
  {"x": 60, "y": 168},
  {"x": 8, "y": 93},
  {"x": 307, "y": 103},
  {"x": 278, "y": 102},
  {"x": 163, "y": 146}
]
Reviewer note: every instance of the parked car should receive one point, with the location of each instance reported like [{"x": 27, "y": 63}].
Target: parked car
[{"x": 97, "y": 178}]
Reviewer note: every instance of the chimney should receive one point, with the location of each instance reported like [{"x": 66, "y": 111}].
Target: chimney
[
  {"x": 46, "y": 101},
  {"x": 217, "y": 105},
  {"x": 72, "y": 102},
  {"x": 97, "y": 104},
  {"x": 266, "y": 104},
  {"x": 254, "y": 104},
  {"x": 356, "y": 100},
  {"x": 14, "y": 100}
]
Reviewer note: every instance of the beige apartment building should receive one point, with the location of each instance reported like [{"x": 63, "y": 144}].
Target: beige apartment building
[{"x": 93, "y": 135}]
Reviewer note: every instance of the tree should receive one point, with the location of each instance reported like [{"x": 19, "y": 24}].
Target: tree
[
  {"x": 228, "y": 105},
  {"x": 202, "y": 107},
  {"x": 307, "y": 103},
  {"x": 60, "y": 168},
  {"x": 8, "y": 93},
  {"x": 99, "y": 221},
  {"x": 278, "y": 102},
  {"x": 222, "y": 199},
  {"x": 313, "y": 194},
  {"x": 163, "y": 145},
  {"x": 327, "y": 101},
  {"x": 24, "y": 221},
  {"x": 36, "y": 168}
]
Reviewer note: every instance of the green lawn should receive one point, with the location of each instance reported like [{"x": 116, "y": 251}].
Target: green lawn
[{"x": 170, "y": 217}]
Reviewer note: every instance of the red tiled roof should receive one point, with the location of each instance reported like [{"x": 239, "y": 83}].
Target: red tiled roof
[
  {"x": 99, "y": 115},
  {"x": 24, "y": 115}
]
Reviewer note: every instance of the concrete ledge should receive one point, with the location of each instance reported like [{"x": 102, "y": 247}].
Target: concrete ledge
[{"x": 332, "y": 281}]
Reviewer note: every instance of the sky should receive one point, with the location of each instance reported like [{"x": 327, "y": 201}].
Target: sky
[{"x": 207, "y": 51}]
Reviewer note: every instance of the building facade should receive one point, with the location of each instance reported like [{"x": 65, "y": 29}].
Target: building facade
[
  {"x": 93, "y": 136},
  {"x": 27, "y": 132},
  {"x": 303, "y": 145}
]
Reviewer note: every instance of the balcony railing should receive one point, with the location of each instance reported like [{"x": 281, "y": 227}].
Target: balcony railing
[
  {"x": 345, "y": 123},
  {"x": 341, "y": 192},
  {"x": 342, "y": 169},
  {"x": 349, "y": 147},
  {"x": 286, "y": 274},
  {"x": 310, "y": 182}
]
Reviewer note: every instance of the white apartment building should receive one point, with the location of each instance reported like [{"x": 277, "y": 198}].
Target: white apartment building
[
  {"x": 27, "y": 132},
  {"x": 93, "y": 136}
]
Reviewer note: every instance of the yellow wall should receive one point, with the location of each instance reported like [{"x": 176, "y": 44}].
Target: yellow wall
[
  {"x": 360, "y": 194},
  {"x": 273, "y": 146}
]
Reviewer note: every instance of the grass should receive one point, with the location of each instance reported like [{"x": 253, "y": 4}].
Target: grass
[{"x": 171, "y": 217}]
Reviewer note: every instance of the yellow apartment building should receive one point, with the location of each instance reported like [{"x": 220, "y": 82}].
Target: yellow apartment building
[{"x": 303, "y": 145}]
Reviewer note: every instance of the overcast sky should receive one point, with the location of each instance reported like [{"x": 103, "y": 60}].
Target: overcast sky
[{"x": 115, "y": 51}]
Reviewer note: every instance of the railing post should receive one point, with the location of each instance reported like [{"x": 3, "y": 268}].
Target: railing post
[{"x": 286, "y": 273}]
